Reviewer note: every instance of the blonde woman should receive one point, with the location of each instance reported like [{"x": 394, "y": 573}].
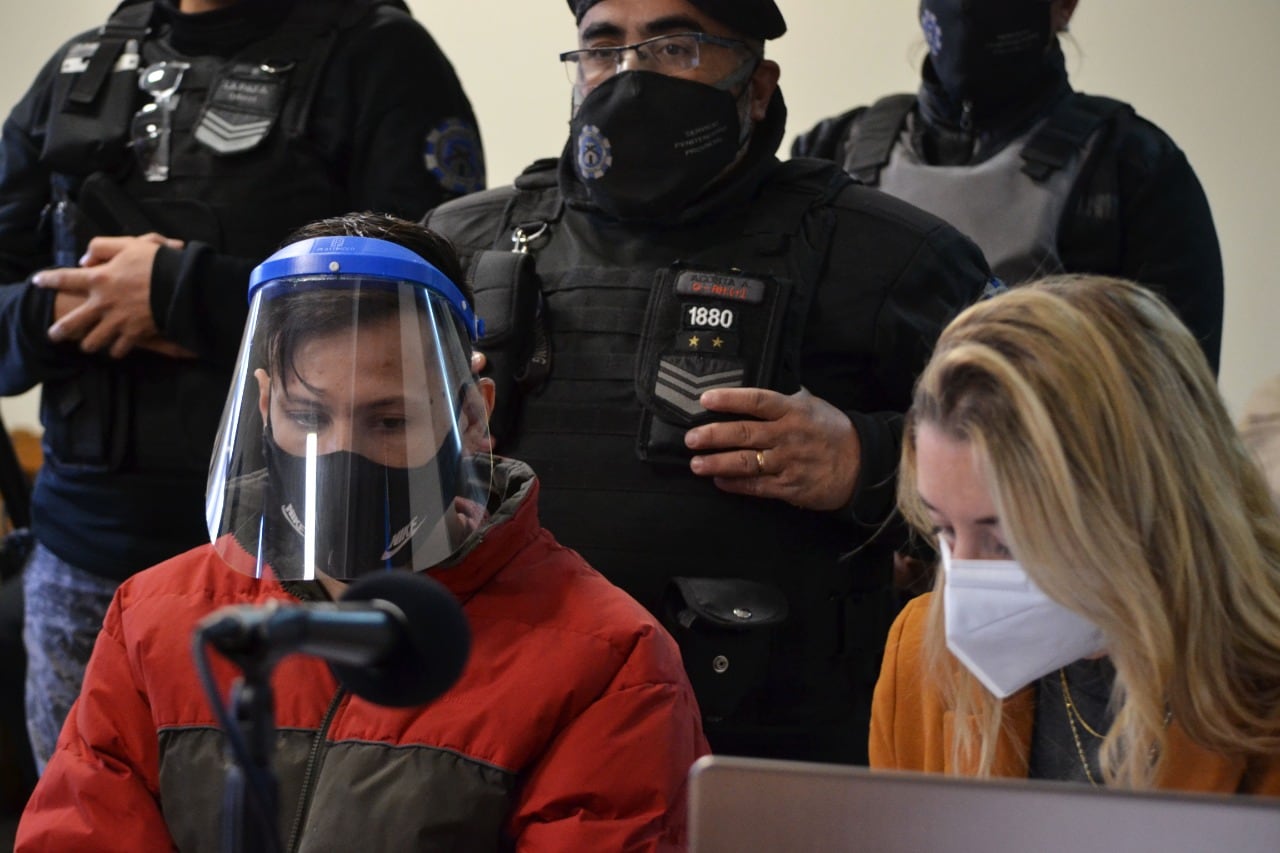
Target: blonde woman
[{"x": 1108, "y": 610}]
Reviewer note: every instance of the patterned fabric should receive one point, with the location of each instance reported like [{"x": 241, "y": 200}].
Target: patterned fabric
[{"x": 64, "y": 610}]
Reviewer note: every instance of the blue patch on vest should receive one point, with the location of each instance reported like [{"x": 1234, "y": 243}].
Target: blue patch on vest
[{"x": 454, "y": 156}]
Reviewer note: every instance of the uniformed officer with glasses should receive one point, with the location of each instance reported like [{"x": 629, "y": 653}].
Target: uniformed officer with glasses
[{"x": 722, "y": 345}]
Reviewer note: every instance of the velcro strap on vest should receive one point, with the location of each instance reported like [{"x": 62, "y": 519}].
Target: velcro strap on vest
[
  {"x": 595, "y": 368},
  {"x": 1066, "y": 133},
  {"x": 588, "y": 418},
  {"x": 129, "y": 22},
  {"x": 620, "y": 320},
  {"x": 875, "y": 135}
]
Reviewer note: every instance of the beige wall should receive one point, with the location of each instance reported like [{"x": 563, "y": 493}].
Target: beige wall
[{"x": 1208, "y": 78}]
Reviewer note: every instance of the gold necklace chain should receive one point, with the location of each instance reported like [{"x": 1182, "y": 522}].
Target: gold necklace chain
[
  {"x": 1072, "y": 713},
  {"x": 1072, "y": 710}
]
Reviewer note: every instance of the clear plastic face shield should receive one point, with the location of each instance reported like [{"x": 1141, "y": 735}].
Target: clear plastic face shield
[{"x": 353, "y": 439}]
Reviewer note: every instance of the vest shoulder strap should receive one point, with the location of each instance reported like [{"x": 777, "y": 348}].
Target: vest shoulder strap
[
  {"x": 131, "y": 21},
  {"x": 795, "y": 188},
  {"x": 1066, "y": 133},
  {"x": 1091, "y": 224},
  {"x": 535, "y": 206},
  {"x": 307, "y": 38},
  {"x": 872, "y": 137}
]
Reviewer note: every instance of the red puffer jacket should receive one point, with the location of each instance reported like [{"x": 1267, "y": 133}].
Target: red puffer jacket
[{"x": 572, "y": 727}]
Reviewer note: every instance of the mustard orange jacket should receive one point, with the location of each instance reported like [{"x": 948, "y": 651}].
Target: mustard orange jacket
[{"x": 911, "y": 727}]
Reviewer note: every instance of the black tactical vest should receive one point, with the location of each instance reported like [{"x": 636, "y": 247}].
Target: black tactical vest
[
  {"x": 242, "y": 175},
  {"x": 238, "y": 127},
  {"x": 1016, "y": 205},
  {"x": 763, "y": 597}
]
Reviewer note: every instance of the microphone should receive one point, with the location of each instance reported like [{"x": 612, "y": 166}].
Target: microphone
[{"x": 395, "y": 638}]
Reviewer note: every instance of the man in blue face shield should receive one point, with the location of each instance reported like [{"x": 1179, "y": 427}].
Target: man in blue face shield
[
  {"x": 354, "y": 446},
  {"x": 152, "y": 164},
  {"x": 723, "y": 349}
]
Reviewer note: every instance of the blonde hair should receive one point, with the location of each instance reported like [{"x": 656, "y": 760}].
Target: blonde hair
[{"x": 1127, "y": 495}]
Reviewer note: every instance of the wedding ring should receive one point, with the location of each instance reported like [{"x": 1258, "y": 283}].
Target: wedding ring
[{"x": 759, "y": 462}]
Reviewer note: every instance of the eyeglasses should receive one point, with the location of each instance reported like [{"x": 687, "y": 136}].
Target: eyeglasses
[
  {"x": 152, "y": 125},
  {"x": 670, "y": 54}
]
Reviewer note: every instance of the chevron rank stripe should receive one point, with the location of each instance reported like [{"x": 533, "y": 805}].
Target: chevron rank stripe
[
  {"x": 227, "y": 137},
  {"x": 682, "y": 388}
]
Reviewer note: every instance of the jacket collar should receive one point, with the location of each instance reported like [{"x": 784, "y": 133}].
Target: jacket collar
[
  {"x": 509, "y": 528},
  {"x": 940, "y": 136},
  {"x": 222, "y": 32}
]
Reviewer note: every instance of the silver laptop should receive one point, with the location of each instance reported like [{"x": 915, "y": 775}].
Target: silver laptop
[{"x": 765, "y": 806}]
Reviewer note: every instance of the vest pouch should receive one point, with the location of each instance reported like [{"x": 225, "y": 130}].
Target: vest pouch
[
  {"x": 506, "y": 293},
  {"x": 84, "y": 419},
  {"x": 725, "y": 629},
  {"x": 88, "y": 131},
  {"x": 703, "y": 330},
  {"x": 109, "y": 209}
]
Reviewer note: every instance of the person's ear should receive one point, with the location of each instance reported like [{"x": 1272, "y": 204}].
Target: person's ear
[
  {"x": 264, "y": 393},
  {"x": 476, "y": 409},
  {"x": 763, "y": 83}
]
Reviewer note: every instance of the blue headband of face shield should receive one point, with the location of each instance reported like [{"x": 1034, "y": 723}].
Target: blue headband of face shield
[{"x": 368, "y": 257}]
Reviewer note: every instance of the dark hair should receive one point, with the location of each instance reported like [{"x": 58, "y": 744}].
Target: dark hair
[
  {"x": 288, "y": 322},
  {"x": 436, "y": 249}
]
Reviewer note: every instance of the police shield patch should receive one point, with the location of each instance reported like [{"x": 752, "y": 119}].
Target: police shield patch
[
  {"x": 594, "y": 153},
  {"x": 454, "y": 156}
]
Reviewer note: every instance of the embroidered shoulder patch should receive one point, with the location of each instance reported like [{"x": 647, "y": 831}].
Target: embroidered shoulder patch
[{"x": 454, "y": 156}]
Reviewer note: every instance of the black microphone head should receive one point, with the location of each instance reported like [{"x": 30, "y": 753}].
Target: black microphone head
[{"x": 430, "y": 654}]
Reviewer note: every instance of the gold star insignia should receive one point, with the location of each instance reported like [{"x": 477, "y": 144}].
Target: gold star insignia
[
  {"x": 717, "y": 342},
  {"x": 693, "y": 341}
]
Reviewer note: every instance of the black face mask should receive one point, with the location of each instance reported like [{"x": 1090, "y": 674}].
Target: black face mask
[
  {"x": 988, "y": 53},
  {"x": 645, "y": 145},
  {"x": 368, "y": 516}
]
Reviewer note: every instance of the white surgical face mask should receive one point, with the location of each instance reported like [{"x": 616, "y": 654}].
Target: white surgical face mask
[{"x": 1004, "y": 629}]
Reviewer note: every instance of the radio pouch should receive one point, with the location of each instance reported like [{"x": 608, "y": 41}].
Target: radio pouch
[
  {"x": 95, "y": 94},
  {"x": 506, "y": 292},
  {"x": 725, "y": 628}
]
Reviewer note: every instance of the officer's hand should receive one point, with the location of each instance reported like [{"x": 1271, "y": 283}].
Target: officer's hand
[
  {"x": 113, "y": 289},
  {"x": 103, "y": 249},
  {"x": 802, "y": 449}
]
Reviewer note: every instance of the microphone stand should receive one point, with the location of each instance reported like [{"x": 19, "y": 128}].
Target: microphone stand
[{"x": 250, "y": 790}]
